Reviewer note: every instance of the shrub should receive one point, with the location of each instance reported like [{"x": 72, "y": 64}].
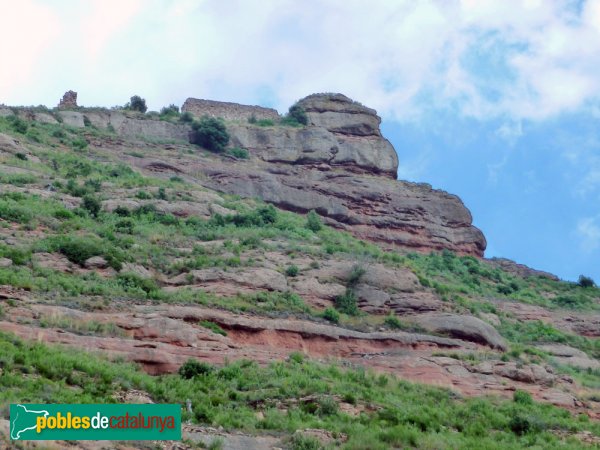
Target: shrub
[
  {"x": 192, "y": 368},
  {"x": 519, "y": 425},
  {"x": 210, "y": 133},
  {"x": 522, "y": 397},
  {"x": 215, "y": 328},
  {"x": 264, "y": 123},
  {"x": 78, "y": 249},
  {"x": 331, "y": 315},
  {"x": 302, "y": 442},
  {"x": 186, "y": 117},
  {"x": 292, "y": 271},
  {"x": 252, "y": 119},
  {"x": 137, "y": 103},
  {"x": 296, "y": 116},
  {"x": 79, "y": 143},
  {"x": 355, "y": 275},
  {"x": 313, "y": 221},
  {"x": 393, "y": 322},
  {"x": 171, "y": 110},
  {"x": 585, "y": 282},
  {"x": 133, "y": 281},
  {"x": 346, "y": 303},
  {"x": 18, "y": 124},
  {"x": 240, "y": 153},
  {"x": 21, "y": 156},
  {"x": 162, "y": 194},
  {"x": 92, "y": 205}
]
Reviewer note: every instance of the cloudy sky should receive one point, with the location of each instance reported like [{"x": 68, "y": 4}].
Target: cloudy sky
[{"x": 497, "y": 101}]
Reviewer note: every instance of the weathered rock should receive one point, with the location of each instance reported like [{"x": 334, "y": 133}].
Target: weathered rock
[
  {"x": 5, "y": 262},
  {"x": 54, "y": 261},
  {"x": 564, "y": 354},
  {"x": 136, "y": 269},
  {"x": 339, "y": 114},
  {"x": 95, "y": 262},
  {"x": 462, "y": 327},
  {"x": 69, "y": 100},
  {"x": 230, "y": 282},
  {"x": 71, "y": 118}
]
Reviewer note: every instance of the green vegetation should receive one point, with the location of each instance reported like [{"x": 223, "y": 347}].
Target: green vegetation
[
  {"x": 292, "y": 271},
  {"x": 401, "y": 414},
  {"x": 214, "y": 327},
  {"x": 296, "y": 116},
  {"x": 210, "y": 133},
  {"x": 240, "y": 153},
  {"x": 586, "y": 282},
  {"x": 313, "y": 221}
]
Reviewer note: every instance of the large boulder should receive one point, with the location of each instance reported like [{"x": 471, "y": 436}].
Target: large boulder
[
  {"x": 462, "y": 327},
  {"x": 339, "y": 114}
]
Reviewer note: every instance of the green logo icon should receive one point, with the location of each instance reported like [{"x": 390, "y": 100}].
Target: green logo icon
[{"x": 95, "y": 422}]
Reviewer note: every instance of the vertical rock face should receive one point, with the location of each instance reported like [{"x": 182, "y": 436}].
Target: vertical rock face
[{"x": 69, "y": 100}]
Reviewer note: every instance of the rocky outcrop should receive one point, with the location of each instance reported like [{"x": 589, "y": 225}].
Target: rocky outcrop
[{"x": 462, "y": 327}]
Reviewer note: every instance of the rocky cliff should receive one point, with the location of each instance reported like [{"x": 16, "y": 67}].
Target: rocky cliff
[{"x": 339, "y": 165}]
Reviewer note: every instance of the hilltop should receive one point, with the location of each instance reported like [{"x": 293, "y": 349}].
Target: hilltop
[{"x": 312, "y": 286}]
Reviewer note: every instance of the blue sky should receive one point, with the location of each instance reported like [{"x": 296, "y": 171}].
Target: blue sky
[{"x": 496, "y": 101}]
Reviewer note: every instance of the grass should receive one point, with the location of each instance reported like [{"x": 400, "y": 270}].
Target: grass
[{"x": 401, "y": 413}]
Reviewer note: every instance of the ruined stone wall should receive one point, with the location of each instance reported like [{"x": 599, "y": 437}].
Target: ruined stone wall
[{"x": 226, "y": 110}]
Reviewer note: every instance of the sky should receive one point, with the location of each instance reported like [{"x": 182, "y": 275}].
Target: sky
[{"x": 497, "y": 101}]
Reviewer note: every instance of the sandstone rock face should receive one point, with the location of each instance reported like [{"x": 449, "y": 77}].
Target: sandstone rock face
[
  {"x": 69, "y": 100},
  {"x": 227, "y": 110},
  {"x": 463, "y": 327},
  {"x": 341, "y": 167}
]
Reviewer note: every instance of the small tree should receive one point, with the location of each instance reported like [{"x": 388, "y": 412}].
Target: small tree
[
  {"x": 586, "y": 282},
  {"x": 210, "y": 133},
  {"x": 137, "y": 103}
]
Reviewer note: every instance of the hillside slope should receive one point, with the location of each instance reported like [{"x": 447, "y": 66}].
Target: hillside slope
[{"x": 118, "y": 235}]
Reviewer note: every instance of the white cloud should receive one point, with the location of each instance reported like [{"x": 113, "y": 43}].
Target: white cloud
[
  {"x": 588, "y": 230},
  {"x": 485, "y": 59}
]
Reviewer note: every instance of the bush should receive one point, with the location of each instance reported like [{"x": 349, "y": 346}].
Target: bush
[
  {"x": 171, "y": 110},
  {"x": 240, "y": 153},
  {"x": 92, "y": 205},
  {"x": 137, "y": 103},
  {"x": 302, "y": 442},
  {"x": 21, "y": 156},
  {"x": 215, "y": 328},
  {"x": 18, "y": 124},
  {"x": 393, "y": 322},
  {"x": 292, "y": 271},
  {"x": 585, "y": 282},
  {"x": 78, "y": 249},
  {"x": 355, "y": 275},
  {"x": 133, "y": 281},
  {"x": 522, "y": 397},
  {"x": 192, "y": 368},
  {"x": 313, "y": 221},
  {"x": 296, "y": 116},
  {"x": 210, "y": 133},
  {"x": 186, "y": 117},
  {"x": 331, "y": 315},
  {"x": 346, "y": 303}
]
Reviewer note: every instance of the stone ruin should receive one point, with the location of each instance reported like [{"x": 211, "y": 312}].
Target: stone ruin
[
  {"x": 226, "y": 110},
  {"x": 69, "y": 100}
]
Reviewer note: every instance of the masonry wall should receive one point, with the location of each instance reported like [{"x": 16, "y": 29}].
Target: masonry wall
[{"x": 226, "y": 110}]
